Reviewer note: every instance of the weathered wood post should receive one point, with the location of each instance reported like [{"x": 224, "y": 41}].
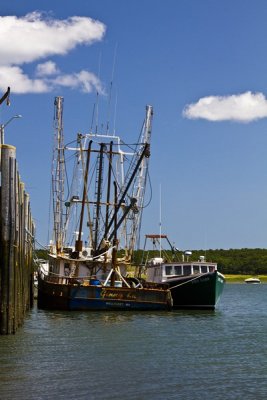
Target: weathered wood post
[
  {"x": 16, "y": 233},
  {"x": 8, "y": 154}
]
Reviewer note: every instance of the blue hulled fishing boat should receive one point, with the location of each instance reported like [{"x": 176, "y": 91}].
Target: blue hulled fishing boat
[{"x": 96, "y": 220}]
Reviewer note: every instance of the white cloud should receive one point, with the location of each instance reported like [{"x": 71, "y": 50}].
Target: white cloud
[
  {"x": 37, "y": 36},
  {"x": 47, "y": 68},
  {"x": 83, "y": 79},
  {"x": 34, "y": 37},
  {"x": 245, "y": 107},
  {"x": 21, "y": 83}
]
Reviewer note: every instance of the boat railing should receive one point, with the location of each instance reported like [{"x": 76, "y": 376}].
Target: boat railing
[
  {"x": 86, "y": 281},
  {"x": 62, "y": 279}
]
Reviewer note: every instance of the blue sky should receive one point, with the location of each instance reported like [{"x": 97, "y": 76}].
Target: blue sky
[{"x": 202, "y": 65}]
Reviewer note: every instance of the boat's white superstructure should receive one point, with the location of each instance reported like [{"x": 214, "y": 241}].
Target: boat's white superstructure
[{"x": 159, "y": 271}]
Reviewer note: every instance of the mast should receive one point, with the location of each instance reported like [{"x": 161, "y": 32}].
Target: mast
[
  {"x": 99, "y": 180},
  {"x": 115, "y": 239},
  {"x": 78, "y": 244},
  {"x": 106, "y": 221},
  {"x": 145, "y": 153},
  {"x": 109, "y": 183},
  {"x": 140, "y": 183},
  {"x": 58, "y": 172}
]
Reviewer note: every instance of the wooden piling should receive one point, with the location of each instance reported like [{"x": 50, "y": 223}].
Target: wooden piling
[{"x": 16, "y": 245}]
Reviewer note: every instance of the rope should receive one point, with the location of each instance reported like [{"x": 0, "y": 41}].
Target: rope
[
  {"x": 184, "y": 283},
  {"x": 62, "y": 276}
]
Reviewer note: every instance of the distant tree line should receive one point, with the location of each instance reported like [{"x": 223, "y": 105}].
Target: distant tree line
[
  {"x": 233, "y": 261},
  {"x": 41, "y": 254}
]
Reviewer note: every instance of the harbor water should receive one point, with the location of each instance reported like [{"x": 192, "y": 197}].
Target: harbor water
[{"x": 147, "y": 355}]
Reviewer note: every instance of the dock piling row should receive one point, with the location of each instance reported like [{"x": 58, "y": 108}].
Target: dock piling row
[{"x": 16, "y": 244}]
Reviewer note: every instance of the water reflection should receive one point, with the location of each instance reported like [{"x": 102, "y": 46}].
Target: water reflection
[{"x": 151, "y": 355}]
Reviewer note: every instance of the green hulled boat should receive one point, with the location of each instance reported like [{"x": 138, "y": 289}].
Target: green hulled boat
[{"x": 193, "y": 284}]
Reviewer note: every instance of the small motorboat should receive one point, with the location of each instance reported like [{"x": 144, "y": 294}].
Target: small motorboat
[{"x": 252, "y": 280}]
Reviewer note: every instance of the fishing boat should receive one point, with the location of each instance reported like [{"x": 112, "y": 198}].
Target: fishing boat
[
  {"x": 193, "y": 284},
  {"x": 96, "y": 223},
  {"x": 253, "y": 280}
]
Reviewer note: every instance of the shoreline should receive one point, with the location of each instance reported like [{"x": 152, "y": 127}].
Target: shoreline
[{"x": 231, "y": 278}]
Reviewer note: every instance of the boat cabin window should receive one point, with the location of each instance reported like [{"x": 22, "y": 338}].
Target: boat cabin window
[
  {"x": 195, "y": 269},
  {"x": 168, "y": 270},
  {"x": 53, "y": 267},
  {"x": 178, "y": 269},
  {"x": 211, "y": 268},
  {"x": 187, "y": 269},
  {"x": 204, "y": 269},
  {"x": 66, "y": 269}
]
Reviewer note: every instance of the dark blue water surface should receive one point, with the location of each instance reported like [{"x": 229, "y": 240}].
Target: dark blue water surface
[{"x": 163, "y": 355}]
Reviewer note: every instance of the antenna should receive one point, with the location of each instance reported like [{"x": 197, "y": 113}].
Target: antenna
[
  {"x": 115, "y": 114},
  {"x": 97, "y": 93},
  {"x": 110, "y": 90},
  {"x": 93, "y": 117}
]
